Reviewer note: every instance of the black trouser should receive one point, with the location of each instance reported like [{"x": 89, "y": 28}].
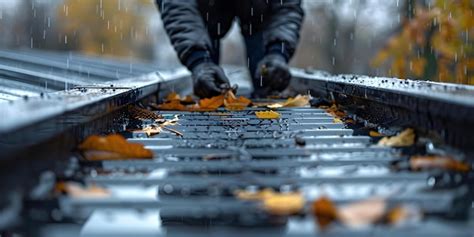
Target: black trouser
[{"x": 255, "y": 53}]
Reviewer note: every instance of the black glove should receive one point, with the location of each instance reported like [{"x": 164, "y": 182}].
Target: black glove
[
  {"x": 273, "y": 73},
  {"x": 209, "y": 80}
]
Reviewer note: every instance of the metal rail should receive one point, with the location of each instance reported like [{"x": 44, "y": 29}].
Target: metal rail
[{"x": 438, "y": 108}]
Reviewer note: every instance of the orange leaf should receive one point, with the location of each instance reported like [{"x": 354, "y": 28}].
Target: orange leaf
[
  {"x": 173, "y": 96},
  {"x": 76, "y": 190},
  {"x": 325, "y": 212},
  {"x": 284, "y": 204},
  {"x": 172, "y": 105},
  {"x": 212, "y": 103},
  {"x": 440, "y": 162},
  {"x": 112, "y": 147},
  {"x": 233, "y": 103}
]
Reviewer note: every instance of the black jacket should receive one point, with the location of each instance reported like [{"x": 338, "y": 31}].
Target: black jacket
[{"x": 192, "y": 24}]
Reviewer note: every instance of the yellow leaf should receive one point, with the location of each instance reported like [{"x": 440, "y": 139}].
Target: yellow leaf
[
  {"x": 284, "y": 204},
  {"x": 275, "y": 203},
  {"x": 298, "y": 101},
  {"x": 404, "y": 214},
  {"x": 404, "y": 139},
  {"x": 254, "y": 196},
  {"x": 268, "y": 114}
]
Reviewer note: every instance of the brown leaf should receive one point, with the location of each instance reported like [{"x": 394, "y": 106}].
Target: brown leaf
[
  {"x": 325, "y": 212},
  {"x": 404, "y": 139},
  {"x": 112, "y": 147},
  {"x": 438, "y": 162},
  {"x": 139, "y": 113}
]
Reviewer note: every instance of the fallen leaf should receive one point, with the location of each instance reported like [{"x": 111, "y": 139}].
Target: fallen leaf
[
  {"x": 76, "y": 190},
  {"x": 267, "y": 114},
  {"x": 254, "y": 196},
  {"x": 363, "y": 213},
  {"x": 112, "y": 147},
  {"x": 404, "y": 214},
  {"x": 325, "y": 212},
  {"x": 139, "y": 113},
  {"x": 404, "y": 139},
  {"x": 152, "y": 130},
  {"x": 188, "y": 100},
  {"x": 298, "y": 101},
  {"x": 440, "y": 162},
  {"x": 335, "y": 111},
  {"x": 173, "y": 96},
  {"x": 275, "y": 203},
  {"x": 375, "y": 134},
  {"x": 211, "y": 104},
  {"x": 284, "y": 203},
  {"x": 337, "y": 120},
  {"x": 172, "y": 105},
  {"x": 176, "y": 132},
  {"x": 233, "y": 103}
]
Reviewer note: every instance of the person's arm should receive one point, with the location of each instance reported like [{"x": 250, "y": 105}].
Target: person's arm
[
  {"x": 186, "y": 29},
  {"x": 282, "y": 34}
]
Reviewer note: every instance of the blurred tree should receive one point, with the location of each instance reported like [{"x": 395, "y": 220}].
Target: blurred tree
[
  {"x": 110, "y": 27},
  {"x": 434, "y": 43}
]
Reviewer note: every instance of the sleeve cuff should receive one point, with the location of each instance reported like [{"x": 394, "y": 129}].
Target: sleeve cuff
[
  {"x": 279, "y": 48},
  {"x": 196, "y": 58}
]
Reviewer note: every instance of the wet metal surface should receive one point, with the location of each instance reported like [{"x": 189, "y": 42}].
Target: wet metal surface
[{"x": 192, "y": 178}]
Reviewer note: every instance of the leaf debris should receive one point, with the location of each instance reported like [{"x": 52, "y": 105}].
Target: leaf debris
[
  {"x": 112, "y": 147},
  {"x": 268, "y": 114},
  {"x": 404, "y": 139}
]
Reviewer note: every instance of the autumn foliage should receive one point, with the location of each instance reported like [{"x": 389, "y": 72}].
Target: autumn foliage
[
  {"x": 105, "y": 27},
  {"x": 436, "y": 44}
]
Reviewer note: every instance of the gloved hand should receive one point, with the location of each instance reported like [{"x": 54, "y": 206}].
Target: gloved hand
[
  {"x": 209, "y": 80},
  {"x": 274, "y": 73}
]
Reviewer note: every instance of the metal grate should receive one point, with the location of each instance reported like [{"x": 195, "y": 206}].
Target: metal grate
[{"x": 194, "y": 176}]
